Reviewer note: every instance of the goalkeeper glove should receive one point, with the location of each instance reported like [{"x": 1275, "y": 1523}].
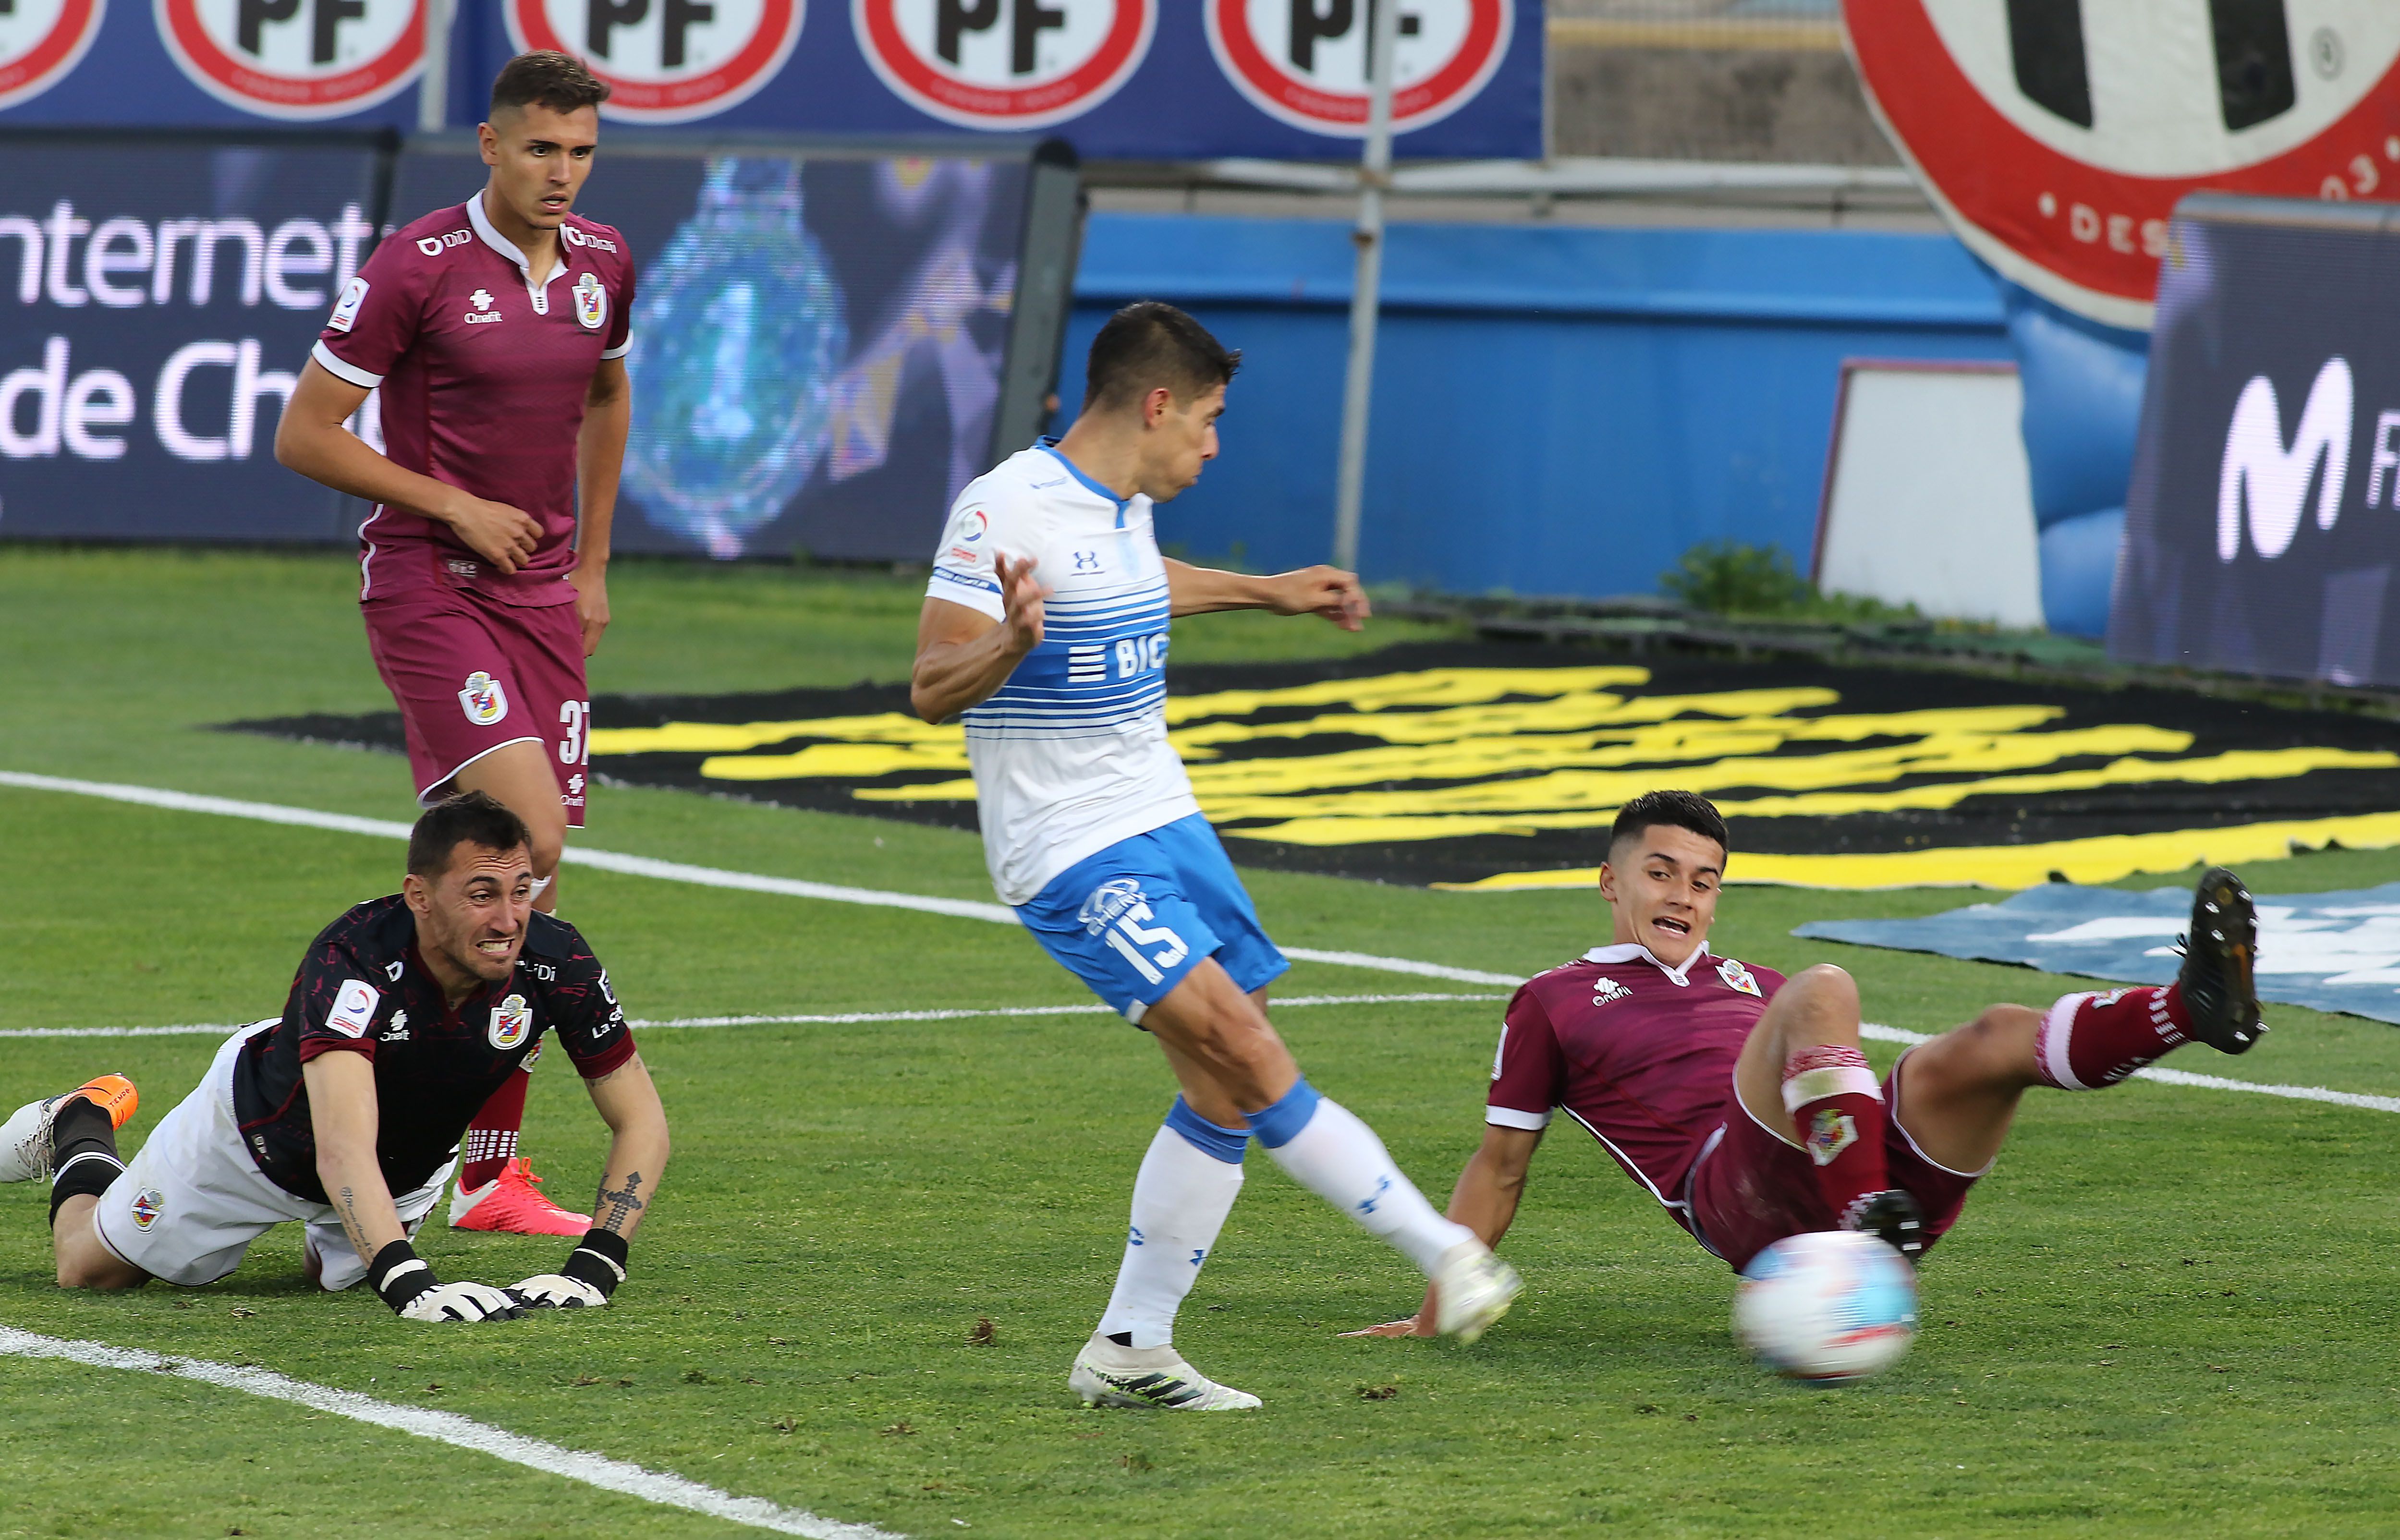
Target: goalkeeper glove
[
  {"x": 592, "y": 1274},
  {"x": 409, "y": 1286}
]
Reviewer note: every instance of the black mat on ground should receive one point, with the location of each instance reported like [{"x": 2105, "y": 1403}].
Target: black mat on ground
[{"x": 1456, "y": 762}]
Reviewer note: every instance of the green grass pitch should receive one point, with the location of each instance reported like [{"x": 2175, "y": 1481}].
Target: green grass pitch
[{"x": 2168, "y": 1311}]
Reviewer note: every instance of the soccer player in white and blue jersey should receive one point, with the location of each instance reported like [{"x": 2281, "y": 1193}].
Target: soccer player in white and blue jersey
[{"x": 1046, "y": 626}]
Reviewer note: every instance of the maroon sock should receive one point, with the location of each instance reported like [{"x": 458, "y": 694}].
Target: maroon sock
[
  {"x": 1837, "y": 1106},
  {"x": 491, "y": 1140},
  {"x": 2090, "y": 1041}
]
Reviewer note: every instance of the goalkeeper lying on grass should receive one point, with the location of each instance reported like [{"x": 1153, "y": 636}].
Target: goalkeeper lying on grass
[{"x": 344, "y": 1112}]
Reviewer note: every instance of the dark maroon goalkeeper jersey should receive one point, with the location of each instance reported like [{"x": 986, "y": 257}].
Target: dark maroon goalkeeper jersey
[
  {"x": 1640, "y": 1054},
  {"x": 365, "y": 990},
  {"x": 484, "y": 368}
]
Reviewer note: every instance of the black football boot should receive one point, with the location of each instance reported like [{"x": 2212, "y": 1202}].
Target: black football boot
[
  {"x": 2220, "y": 999},
  {"x": 1894, "y": 1217}
]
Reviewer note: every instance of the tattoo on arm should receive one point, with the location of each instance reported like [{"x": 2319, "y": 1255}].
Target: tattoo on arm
[
  {"x": 358, "y": 1232},
  {"x": 621, "y": 1204}
]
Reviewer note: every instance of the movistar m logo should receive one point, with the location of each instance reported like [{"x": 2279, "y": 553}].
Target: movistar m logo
[{"x": 2270, "y": 481}]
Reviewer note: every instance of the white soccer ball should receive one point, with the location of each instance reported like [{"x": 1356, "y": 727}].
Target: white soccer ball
[{"x": 1828, "y": 1308}]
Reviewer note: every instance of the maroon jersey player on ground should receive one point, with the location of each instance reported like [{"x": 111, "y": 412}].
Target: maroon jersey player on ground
[
  {"x": 497, "y": 331},
  {"x": 341, "y": 1114},
  {"x": 1739, "y": 1100}
]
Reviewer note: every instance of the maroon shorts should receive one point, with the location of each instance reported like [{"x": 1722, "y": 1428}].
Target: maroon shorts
[
  {"x": 472, "y": 676},
  {"x": 1749, "y": 1189}
]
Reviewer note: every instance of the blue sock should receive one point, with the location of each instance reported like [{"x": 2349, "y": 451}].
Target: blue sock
[
  {"x": 1279, "y": 1124},
  {"x": 1209, "y": 1138}
]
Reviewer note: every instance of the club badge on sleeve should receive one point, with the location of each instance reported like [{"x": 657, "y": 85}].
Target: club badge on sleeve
[{"x": 353, "y": 1009}]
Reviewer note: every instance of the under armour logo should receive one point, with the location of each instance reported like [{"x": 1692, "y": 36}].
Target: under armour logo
[
  {"x": 481, "y": 299},
  {"x": 1199, "y": 1255},
  {"x": 1087, "y": 561}
]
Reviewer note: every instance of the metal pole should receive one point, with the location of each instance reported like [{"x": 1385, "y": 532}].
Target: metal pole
[
  {"x": 1375, "y": 172},
  {"x": 434, "y": 84}
]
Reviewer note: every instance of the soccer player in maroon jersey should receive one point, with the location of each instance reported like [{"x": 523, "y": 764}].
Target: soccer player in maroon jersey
[
  {"x": 341, "y": 1114},
  {"x": 497, "y": 331},
  {"x": 1739, "y": 1100}
]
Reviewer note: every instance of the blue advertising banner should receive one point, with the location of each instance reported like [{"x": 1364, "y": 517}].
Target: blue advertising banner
[
  {"x": 1130, "y": 79},
  {"x": 818, "y": 341},
  {"x": 162, "y": 301},
  {"x": 2259, "y": 536}
]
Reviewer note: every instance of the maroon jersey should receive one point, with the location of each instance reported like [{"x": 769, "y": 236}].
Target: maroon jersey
[
  {"x": 365, "y": 990},
  {"x": 1640, "y": 1054},
  {"x": 483, "y": 373}
]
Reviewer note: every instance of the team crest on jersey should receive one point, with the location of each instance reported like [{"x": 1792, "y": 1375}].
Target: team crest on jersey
[
  {"x": 591, "y": 302},
  {"x": 1108, "y": 901},
  {"x": 1830, "y": 1133},
  {"x": 511, "y": 1019},
  {"x": 149, "y": 1205},
  {"x": 1608, "y": 991},
  {"x": 1738, "y": 977},
  {"x": 483, "y": 699}
]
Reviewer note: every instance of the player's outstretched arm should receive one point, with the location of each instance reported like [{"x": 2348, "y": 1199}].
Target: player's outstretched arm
[
  {"x": 628, "y": 1103},
  {"x": 1484, "y": 1201},
  {"x": 1325, "y": 590},
  {"x": 963, "y": 655},
  {"x": 344, "y": 1118},
  {"x": 313, "y": 440},
  {"x": 599, "y": 461}
]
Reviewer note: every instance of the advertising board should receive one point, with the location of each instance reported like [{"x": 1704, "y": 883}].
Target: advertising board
[
  {"x": 161, "y": 300},
  {"x": 1128, "y": 79},
  {"x": 2260, "y": 534}
]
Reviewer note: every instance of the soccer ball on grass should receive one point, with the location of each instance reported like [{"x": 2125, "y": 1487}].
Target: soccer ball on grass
[{"x": 1827, "y": 1308}]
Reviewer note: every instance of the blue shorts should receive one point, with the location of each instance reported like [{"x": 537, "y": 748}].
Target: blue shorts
[{"x": 1132, "y": 920}]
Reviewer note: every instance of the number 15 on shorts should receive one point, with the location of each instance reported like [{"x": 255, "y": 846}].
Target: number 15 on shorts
[{"x": 1129, "y": 935}]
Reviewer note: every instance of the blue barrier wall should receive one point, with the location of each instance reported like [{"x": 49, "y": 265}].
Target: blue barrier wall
[{"x": 1558, "y": 410}]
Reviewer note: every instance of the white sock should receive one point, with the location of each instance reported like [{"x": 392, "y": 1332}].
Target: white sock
[
  {"x": 1180, "y": 1199},
  {"x": 1339, "y": 1159}
]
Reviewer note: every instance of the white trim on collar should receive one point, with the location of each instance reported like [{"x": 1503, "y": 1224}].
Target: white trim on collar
[
  {"x": 490, "y": 235},
  {"x": 1630, "y": 951}
]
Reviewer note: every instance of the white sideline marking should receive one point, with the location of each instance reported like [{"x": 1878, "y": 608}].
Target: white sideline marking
[
  {"x": 673, "y": 871},
  {"x": 712, "y": 876},
  {"x": 841, "y": 1019},
  {"x": 448, "y": 1427}
]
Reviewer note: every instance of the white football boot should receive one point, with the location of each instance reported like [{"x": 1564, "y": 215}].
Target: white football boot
[
  {"x": 25, "y": 1138},
  {"x": 1474, "y": 1288},
  {"x": 1107, "y": 1375}
]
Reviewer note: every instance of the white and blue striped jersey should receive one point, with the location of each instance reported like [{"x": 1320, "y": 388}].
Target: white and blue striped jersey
[{"x": 1070, "y": 755}]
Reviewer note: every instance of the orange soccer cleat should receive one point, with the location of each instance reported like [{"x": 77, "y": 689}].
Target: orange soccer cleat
[
  {"x": 25, "y": 1138},
  {"x": 510, "y": 1203}
]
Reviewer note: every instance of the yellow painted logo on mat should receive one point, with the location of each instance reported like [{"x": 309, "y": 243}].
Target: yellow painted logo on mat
[{"x": 1452, "y": 753}]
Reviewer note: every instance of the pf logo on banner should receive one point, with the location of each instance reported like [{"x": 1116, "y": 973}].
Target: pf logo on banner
[
  {"x": 297, "y": 58},
  {"x": 666, "y": 60},
  {"x": 1305, "y": 63},
  {"x": 41, "y": 42},
  {"x": 1004, "y": 64}
]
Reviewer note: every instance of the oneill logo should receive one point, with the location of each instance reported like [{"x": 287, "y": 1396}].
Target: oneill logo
[{"x": 2271, "y": 481}]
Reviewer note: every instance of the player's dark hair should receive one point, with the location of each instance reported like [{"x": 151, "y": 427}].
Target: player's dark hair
[
  {"x": 1682, "y": 810},
  {"x": 553, "y": 79},
  {"x": 1151, "y": 343},
  {"x": 469, "y": 818}
]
